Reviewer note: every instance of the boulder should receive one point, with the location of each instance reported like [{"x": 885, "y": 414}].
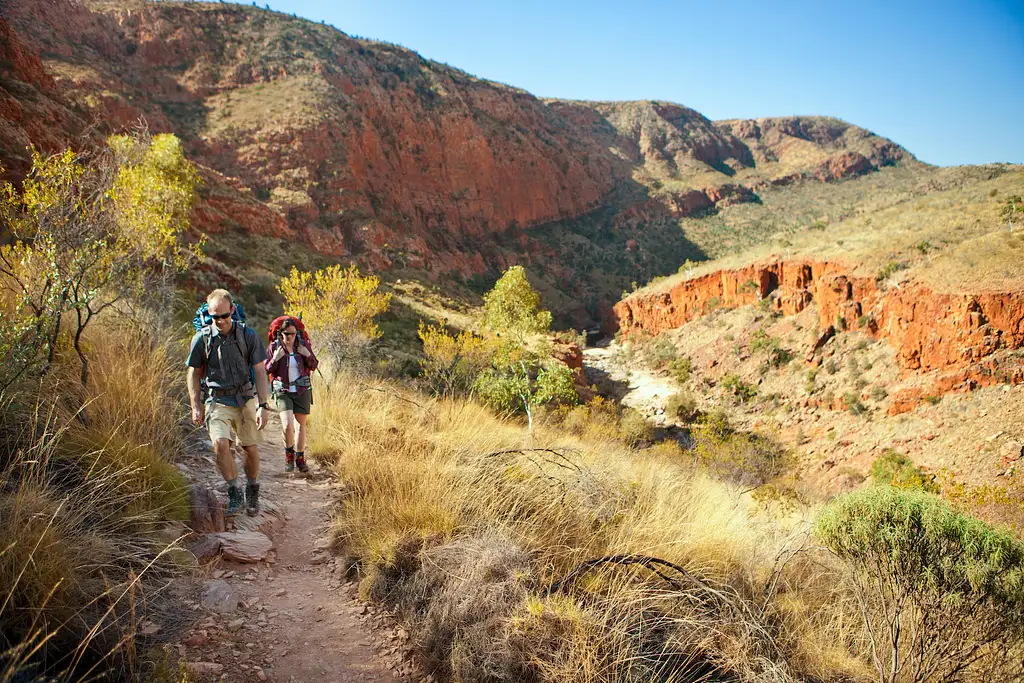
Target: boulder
[
  {"x": 219, "y": 596},
  {"x": 1011, "y": 453},
  {"x": 245, "y": 546},
  {"x": 207, "y": 513}
]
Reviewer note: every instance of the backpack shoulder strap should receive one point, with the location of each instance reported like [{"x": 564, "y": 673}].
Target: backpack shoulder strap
[
  {"x": 207, "y": 333},
  {"x": 241, "y": 334}
]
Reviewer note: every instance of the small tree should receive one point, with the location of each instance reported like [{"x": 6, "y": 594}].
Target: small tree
[
  {"x": 1012, "y": 208},
  {"x": 337, "y": 305},
  {"x": 941, "y": 594},
  {"x": 88, "y": 233},
  {"x": 519, "y": 381},
  {"x": 512, "y": 307}
]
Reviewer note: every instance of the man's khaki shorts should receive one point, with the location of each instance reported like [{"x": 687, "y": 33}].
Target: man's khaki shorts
[{"x": 222, "y": 419}]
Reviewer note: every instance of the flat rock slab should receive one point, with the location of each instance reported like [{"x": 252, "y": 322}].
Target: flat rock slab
[{"x": 238, "y": 546}]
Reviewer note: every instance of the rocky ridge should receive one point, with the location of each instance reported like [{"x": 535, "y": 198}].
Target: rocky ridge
[{"x": 966, "y": 340}]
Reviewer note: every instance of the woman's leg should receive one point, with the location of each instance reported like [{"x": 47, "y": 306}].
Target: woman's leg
[
  {"x": 288, "y": 428},
  {"x": 300, "y": 438}
]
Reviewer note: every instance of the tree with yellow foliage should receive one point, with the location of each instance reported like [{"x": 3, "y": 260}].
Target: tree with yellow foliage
[
  {"x": 337, "y": 306},
  {"x": 88, "y": 231}
]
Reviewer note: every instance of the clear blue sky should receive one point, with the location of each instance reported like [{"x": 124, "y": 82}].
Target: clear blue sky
[{"x": 943, "y": 79}]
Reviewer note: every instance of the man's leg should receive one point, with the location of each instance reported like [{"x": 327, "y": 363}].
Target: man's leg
[
  {"x": 248, "y": 438},
  {"x": 252, "y": 462},
  {"x": 219, "y": 419}
]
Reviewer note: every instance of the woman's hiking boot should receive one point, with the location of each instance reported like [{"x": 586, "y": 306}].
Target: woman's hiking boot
[
  {"x": 300, "y": 462},
  {"x": 289, "y": 459},
  {"x": 235, "y": 501},
  {"x": 252, "y": 499}
]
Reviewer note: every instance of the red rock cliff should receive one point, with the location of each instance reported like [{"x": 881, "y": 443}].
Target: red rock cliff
[{"x": 957, "y": 334}]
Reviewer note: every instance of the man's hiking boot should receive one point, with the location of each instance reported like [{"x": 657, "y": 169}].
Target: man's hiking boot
[
  {"x": 252, "y": 499},
  {"x": 289, "y": 461},
  {"x": 300, "y": 462},
  {"x": 235, "y": 501}
]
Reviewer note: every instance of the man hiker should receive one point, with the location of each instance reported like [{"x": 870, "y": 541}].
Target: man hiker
[{"x": 230, "y": 356}]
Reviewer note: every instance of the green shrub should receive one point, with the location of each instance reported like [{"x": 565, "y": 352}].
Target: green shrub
[
  {"x": 889, "y": 269},
  {"x": 680, "y": 369},
  {"x": 762, "y": 342},
  {"x": 738, "y": 388},
  {"x": 941, "y": 593},
  {"x": 682, "y": 406},
  {"x": 896, "y": 469},
  {"x": 879, "y": 393},
  {"x": 749, "y": 460},
  {"x": 659, "y": 352}
]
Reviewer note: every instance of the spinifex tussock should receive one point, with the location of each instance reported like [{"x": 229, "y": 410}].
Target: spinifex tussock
[
  {"x": 85, "y": 495},
  {"x": 470, "y": 529}
]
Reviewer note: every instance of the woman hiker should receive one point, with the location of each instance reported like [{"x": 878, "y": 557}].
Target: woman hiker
[{"x": 290, "y": 360}]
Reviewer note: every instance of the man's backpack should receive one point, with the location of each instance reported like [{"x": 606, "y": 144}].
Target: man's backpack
[{"x": 202, "y": 317}]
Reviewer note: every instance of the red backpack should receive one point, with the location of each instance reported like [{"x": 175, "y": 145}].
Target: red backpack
[{"x": 279, "y": 323}]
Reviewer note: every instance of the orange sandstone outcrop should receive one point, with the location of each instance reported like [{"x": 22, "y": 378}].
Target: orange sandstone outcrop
[{"x": 957, "y": 335}]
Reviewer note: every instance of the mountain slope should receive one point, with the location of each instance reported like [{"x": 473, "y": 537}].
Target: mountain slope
[{"x": 360, "y": 150}]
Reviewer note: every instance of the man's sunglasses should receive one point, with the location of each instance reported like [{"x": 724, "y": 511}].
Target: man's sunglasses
[{"x": 222, "y": 316}]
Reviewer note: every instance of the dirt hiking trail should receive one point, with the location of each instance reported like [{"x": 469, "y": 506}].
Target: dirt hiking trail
[{"x": 292, "y": 616}]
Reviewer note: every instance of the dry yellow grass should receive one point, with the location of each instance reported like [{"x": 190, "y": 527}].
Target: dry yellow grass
[
  {"x": 84, "y": 499},
  {"x": 464, "y": 526}
]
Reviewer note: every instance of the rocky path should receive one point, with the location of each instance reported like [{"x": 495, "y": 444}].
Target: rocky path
[{"x": 286, "y": 613}]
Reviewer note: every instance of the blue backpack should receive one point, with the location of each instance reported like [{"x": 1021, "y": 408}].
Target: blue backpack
[{"x": 202, "y": 317}]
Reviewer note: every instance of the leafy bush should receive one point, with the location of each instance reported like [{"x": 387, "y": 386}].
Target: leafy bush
[
  {"x": 659, "y": 352},
  {"x": 941, "y": 594},
  {"x": 895, "y": 469},
  {"x": 890, "y": 269},
  {"x": 762, "y": 342},
  {"x": 738, "y": 388},
  {"x": 452, "y": 363},
  {"x": 635, "y": 429},
  {"x": 87, "y": 234},
  {"x": 853, "y": 404},
  {"x": 682, "y": 406},
  {"x": 750, "y": 460},
  {"x": 518, "y": 381},
  {"x": 680, "y": 369},
  {"x": 512, "y": 307}
]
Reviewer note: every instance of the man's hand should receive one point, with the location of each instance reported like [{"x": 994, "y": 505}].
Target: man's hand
[
  {"x": 278, "y": 353},
  {"x": 198, "y": 414},
  {"x": 261, "y": 418},
  {"x": 303, "y": 351}
]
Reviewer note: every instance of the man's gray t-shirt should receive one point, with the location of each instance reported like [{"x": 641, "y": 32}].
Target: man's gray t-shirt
[{"x": 197, "y": 354}]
